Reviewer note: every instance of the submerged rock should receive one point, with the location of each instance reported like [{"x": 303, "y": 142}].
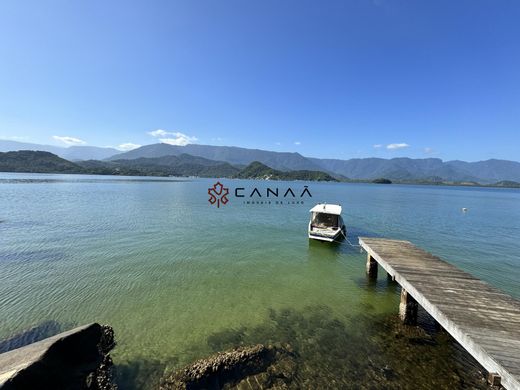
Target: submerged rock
[
  {"x": 369, "y": 351},
  {"x": 239, "y": 368},
  {"x": 77, "y": 359}
]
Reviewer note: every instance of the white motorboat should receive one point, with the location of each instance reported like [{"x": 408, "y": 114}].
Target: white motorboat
[{"x": 326, "y": 223}]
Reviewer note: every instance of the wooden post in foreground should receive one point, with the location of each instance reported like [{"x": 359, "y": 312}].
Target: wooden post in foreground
[
  {"x": 371, "y": 267},
  {"x": 408, "y": 308}
]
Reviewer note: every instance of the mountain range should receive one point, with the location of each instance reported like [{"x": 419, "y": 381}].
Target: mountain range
[
  {"x": 72, "y": 153},
  {"x": 397, "y": 169},
  {"x": 234, "y": 155},
  {"x": 184, "y": 165},
  {"x": 402, "y": 169}
]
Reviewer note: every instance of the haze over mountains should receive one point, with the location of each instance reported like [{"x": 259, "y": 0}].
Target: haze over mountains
[
  {"x": 404, "y": 169},
  {"x": 72, "y": 153},
  {"x": 431, "y": 169},
  {"x": 234, "y": 155}
]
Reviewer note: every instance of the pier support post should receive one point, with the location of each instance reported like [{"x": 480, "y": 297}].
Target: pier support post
[
  {"x": 494, "y": 379},
  {"x": 408, "y": 308},
  {"x": 371, "y": 267}
]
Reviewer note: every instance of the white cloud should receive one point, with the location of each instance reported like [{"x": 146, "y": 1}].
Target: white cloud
[
  {"x": 69, "y": 140},
  {"x": 158, "y": 133},
  {"x": 377, "y": 146},
  {"x": 428, "y": 150},
  {"x": 176, "y": 138},
  {"x": 297, "y": 143},
  {"x": 180, "y": 139},
  {"x": 397, "y": 146},
  {"x": 128, "y": 146},
  {"x": 278, "y": 143}
]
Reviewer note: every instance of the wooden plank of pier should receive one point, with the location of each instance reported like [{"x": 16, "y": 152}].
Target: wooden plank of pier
[{"x": 483, "y": 319}]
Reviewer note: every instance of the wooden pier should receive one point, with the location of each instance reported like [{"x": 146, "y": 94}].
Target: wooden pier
[{"x": 484, "y": 320}]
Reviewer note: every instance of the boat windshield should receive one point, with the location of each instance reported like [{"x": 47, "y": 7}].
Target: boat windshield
[{"x": 322, "y": 220}]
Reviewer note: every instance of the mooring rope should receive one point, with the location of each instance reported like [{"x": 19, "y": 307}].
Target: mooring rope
[{"x": 352, "y": 245}]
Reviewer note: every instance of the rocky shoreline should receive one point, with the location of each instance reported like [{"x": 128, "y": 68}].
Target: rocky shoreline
[
  {"x": 291, "y": 350},
  {"x": 77, "y": 359}
]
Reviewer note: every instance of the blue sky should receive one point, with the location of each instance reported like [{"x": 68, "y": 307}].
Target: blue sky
[{"x": 337, "y": 79}]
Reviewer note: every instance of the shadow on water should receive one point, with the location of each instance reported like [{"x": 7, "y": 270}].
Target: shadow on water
[
  {"x": 377, "y": 285},
  {"x": 140, "y": 374},
  {"x": 36, "y": 333},
  {"x": 19, "y": 257},
  {"x": 317, "y": 246}
]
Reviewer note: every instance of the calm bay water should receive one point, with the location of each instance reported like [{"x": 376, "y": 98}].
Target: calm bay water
[{"x": 179, "y": 279}]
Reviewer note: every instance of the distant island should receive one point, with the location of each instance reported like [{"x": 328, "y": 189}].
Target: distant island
[
  {"x": 186, "y": 165},
  {"x": 382, "y": 180},
  {"x": 508, "y": 184},
  {"x": 257, "y": 170}
]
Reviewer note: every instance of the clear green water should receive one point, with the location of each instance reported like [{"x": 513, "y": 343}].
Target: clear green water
[{"x": 179, "y": 279}]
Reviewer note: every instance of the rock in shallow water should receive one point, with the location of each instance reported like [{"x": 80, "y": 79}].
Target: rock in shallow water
[
  {"x": 77, "y": 359},
  {"x": 253, "y": 367}
]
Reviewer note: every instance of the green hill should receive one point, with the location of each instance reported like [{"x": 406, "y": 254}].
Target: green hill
[
  {"x": 182, "y": 165},
  {"x": 30, "y": 161},
  {"x": 36, "y": 162},
  {"x": 257, "y": 170}
]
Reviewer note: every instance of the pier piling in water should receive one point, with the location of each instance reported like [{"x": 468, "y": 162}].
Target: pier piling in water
[
  {"x": 483, "y": 319},
  {"x": 408, "y": 308},
  {"x": 494, "y": 379},
  {"x": 371, "y": 267}
]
